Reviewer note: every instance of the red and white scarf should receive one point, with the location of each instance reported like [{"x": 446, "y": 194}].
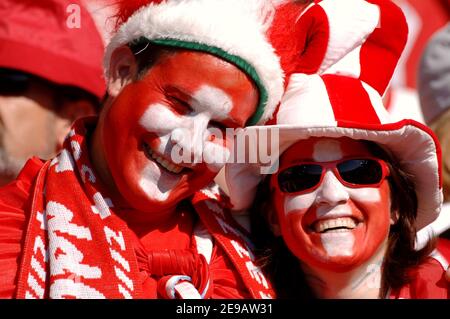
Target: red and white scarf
[{"x": 76, "y": 246}]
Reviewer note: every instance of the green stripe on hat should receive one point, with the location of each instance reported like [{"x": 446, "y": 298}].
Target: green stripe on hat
[{"x": 236, "y": 60}]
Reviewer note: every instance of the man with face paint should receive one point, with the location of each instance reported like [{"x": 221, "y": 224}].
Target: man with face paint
[
  {"x": 339, "y": 215},
  {"x": 126, "y": 210}
]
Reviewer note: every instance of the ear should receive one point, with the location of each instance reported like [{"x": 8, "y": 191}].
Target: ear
[
  {"x": 272, "y": 220},
  {"x": 122, "y": 70}
]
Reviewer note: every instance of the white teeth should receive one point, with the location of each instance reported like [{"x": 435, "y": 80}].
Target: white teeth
[
  {"x": 164, "y": 163},
  {"x": 328, "y": 224}
]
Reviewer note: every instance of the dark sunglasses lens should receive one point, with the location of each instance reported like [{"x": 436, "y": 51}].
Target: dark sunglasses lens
[
  {"x": 361, "y": 171},
  {"x": 299, "y": 178}
]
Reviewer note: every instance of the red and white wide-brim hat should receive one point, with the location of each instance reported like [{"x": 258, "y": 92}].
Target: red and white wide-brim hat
[
  {"x": 234, "y": 30},
  {"x": 362, "y": 39},
  {"x": 337, "y": 106}
]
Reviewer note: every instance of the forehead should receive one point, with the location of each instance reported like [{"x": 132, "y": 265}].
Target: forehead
[
  {"x": 322, "y": 149},
  {"x": 208, "y": 82}
]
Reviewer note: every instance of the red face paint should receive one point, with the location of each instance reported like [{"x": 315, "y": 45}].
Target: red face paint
[
  {"x": 162, "y": 131},
  {"x": 332, "y": 227}
]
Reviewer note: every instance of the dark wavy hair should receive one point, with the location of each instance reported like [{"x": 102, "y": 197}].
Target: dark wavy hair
[{"x": 283, "y": 268}]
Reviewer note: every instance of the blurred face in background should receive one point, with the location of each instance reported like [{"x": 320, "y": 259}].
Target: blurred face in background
[{"x": 35, "y": 116}]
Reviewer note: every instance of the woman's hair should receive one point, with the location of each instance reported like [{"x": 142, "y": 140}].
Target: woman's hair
[{"x": 284, "y": 268}]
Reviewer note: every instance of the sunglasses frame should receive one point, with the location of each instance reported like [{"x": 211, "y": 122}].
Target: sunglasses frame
[{"x": 332, "y": 165}]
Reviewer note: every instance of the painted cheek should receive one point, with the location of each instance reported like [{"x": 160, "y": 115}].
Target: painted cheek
[
  {"x": 304, "y": 246},
  {"x": 159, "y": 118},
  {"x": 378, "y": 213},
  {"x": 215, "y": 156},
  {"x": 159, "y": 122},
  {"x": 368, "y": 194},
  {"x": 292, "y": 214},
  {"x": 374, "y": 204},
  {"x": 291, "y": 211},
  {"x": 244, "y": 106},
  {"x": 299, "y": 202}
]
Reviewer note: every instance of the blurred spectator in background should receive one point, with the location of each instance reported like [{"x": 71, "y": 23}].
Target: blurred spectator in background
[
  {"x": 424, "y": 18},
  {"x": 434, "y": 92},
  {"x": 50, "y": 75}
]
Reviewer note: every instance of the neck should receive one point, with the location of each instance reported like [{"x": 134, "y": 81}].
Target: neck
[
  {"x": 148, "y": 221},
  {"x": 145, "y": 227},
  {"x": 363, "y": 282}
]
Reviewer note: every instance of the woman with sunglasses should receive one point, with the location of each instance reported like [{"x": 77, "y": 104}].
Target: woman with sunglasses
[{"x": 338, "y": 218}]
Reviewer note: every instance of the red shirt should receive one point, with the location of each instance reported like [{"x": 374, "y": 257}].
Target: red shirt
[
  {"x": 15, "y": 199},
  {"x": 428, "y": 282}
]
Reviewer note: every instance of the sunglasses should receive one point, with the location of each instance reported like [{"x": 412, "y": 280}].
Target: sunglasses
[
  {"x": 13, "y": 82},
  {"x": 354, "y": 172}
]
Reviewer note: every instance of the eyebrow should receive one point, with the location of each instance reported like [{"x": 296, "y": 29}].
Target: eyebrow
[{"x": 203, "y": 104}]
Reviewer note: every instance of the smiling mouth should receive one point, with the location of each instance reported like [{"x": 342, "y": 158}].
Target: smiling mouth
[
  {"x": 162, "y": 162},
  {"x": 338, "y": 225}
]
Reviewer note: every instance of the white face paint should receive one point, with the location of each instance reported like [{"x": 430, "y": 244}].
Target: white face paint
[
  {"x": 327, "y": 151},
  {"x": 338, "y": 244},
  {"x": 155, "y": 184},
  {"x": 213, "y": 101}
]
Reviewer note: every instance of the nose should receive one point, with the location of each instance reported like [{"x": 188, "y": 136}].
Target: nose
[
  {"x": 331, "y": 191},
  {"x": 191, "y": 136}
]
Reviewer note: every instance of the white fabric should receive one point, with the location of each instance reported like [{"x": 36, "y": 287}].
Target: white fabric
[
  {"x": 377, "y": 103},
  {"x": 440, "y": 258},
  {"x": 307, "y": 90},
  {"x": 350, "y": 24},
  {"x": 439, "y": 226},
  {"x": 203, "y": 241}
]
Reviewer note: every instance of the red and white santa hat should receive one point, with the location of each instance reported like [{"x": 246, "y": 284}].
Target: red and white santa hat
[
  {"x": 234, "y": 30},
  {"x": 340, "y": 103}
]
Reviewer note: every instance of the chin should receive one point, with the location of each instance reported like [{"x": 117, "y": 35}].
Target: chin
[
  {"x": 152, "y": 204},
  {"x": 342, "y": 264},
  {"x": 338, "y": 264}
]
